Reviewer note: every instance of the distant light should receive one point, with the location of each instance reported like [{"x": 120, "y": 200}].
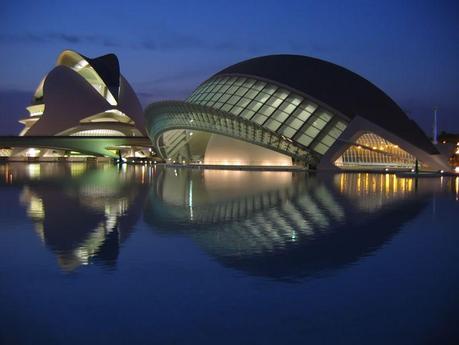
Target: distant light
[
  {"x": 456, "y": 169},
  {"x": 386, "y": 169},
  {"x": 444, "y": 141},
  {"x": 124, "y": 159},
  {"x": 154, "y": 162},
  {"x": 32, "y": 152},
  {"x": 191, "y": 133},
  {"x": 150, "y": 149},
  {"x": 412, "y": 170},
  {"x": 183, "y": 162},
  {"x": 442, "y": 171}
]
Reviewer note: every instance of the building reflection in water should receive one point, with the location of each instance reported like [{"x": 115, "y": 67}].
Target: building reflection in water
[
  {"x": 283, "y": 225},
  {"x": 83, "y": 213}
]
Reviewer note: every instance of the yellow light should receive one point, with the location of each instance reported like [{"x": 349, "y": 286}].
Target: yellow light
[{"x": 32, "y": 152}]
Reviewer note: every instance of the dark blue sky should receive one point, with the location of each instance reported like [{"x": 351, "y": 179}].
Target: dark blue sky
[{"x": 410, "y": 49}]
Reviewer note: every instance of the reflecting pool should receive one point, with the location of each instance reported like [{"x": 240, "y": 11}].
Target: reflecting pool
[{"x": 99, "y": 254}]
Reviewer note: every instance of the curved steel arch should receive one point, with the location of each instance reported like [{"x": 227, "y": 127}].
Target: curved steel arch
[
  {"x": 169, "y": 115},
  {"x": 337, "y": 87}
]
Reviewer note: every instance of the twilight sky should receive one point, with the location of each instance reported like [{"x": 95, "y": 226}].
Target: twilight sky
[{"x": 410, "y": 49}]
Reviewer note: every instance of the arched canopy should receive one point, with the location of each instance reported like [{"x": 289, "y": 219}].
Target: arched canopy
[
  {"x": 165, "y": 116},
  {"x": 339, "y": 88}
]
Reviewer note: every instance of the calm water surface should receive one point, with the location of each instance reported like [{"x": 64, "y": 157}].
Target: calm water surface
[{"x": 142, "y": 255}]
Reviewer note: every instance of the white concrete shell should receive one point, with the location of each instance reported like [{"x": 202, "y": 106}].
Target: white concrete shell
[{"x": 82, "y": 94}]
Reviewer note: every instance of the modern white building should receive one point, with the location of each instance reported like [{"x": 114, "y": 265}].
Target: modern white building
[{"x": 283, "y": 110}]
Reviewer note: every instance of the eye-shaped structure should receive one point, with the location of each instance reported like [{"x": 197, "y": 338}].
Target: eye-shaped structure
[
  {"x": 288, "y": 109},
  {"x": 84, "y": 97}
]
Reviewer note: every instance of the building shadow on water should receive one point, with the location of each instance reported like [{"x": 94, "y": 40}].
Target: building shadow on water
[{"x": 283, "y": 225}]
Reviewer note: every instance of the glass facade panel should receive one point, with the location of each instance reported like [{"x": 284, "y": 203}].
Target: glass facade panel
[
  {"x": 289, "y": 132},
  {"x": 311, "y": 107},
  {"x": 226, "y": 107},
  {"x": 236, "y": 110},
  {"x": 274, "y": 102},
  {"x": 251, "y": 94},
  {"x": 233, "y": 99},
  {"x": 319, "y": 123},
  {"x": 328, "y": 140},
  {"x": 304, "y": 139},
  {"x": 275, "y": 108},
  {"x": 262, "y": 97},
  {"x": 296, "y": 123},
  {"x": 372, "y": 151},
  {"x": 287, "y": 107},
  {"x": 241, "y": 91},
  {"x": 243, "y": 102},
  {"x": 312, "y": 132},
  {"x": 281, "y": 94},
  {"x": 320, "y": 148},
  {"x": 273, "y": 125},
  {"x": 249, "y": 82},
  {"x": 279, "y": 116},
  {"x": 224, "y": 97},
  {"x": 325, "y": 116},
  {"x": 341, "y": 125},
  {"x": 247, "y": 113},
  {"x": 259, "y": 118},
  {"x": 259, "y": 85},
  {"x": 254, "y": 106},
  {"x": 267, "y": 110},
  {"x": 269, "y": 89},
  {"x": 302, "y": 114}
]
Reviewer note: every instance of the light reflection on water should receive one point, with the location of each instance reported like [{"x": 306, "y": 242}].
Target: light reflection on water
[
  {"x": 284, "y": 227},
  {"x": 84, "y": 212}
]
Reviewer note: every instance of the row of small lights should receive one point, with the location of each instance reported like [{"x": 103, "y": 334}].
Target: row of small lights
[{"x": 124, "y": 160}]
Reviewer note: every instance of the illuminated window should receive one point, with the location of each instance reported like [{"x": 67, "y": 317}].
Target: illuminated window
[
  {"x": 373, "y": 151},
  {"x": 98, "y": 133}
]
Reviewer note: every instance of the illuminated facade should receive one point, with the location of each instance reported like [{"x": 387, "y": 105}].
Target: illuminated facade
[
  {"x": 371, "y": 151},
  {"x": 289, "y": 110},
  {"x": 81, "y": 97}
]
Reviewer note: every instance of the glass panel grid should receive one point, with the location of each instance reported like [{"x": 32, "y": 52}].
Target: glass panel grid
[
  {"x": 274, "y": 108},
  {"x": 373, "y": 151}
]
